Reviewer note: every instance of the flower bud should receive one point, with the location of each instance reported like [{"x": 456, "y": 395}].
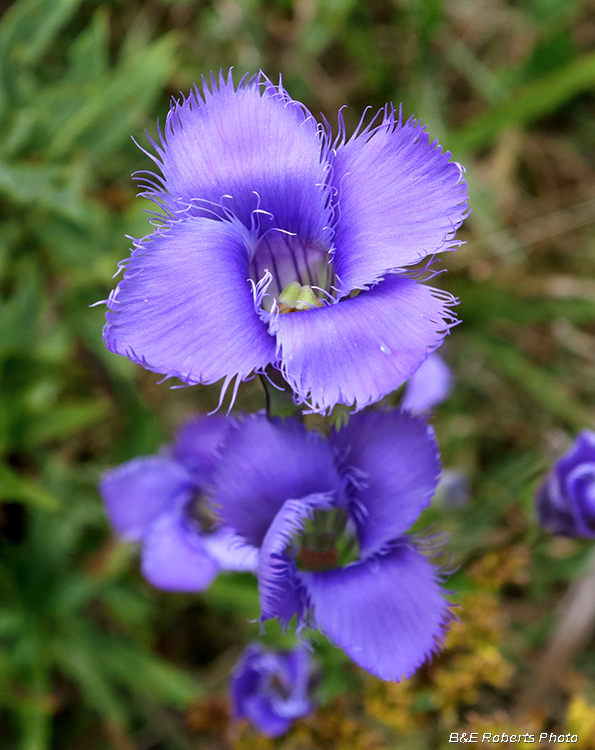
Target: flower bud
[{"x": 566, "y": 499}]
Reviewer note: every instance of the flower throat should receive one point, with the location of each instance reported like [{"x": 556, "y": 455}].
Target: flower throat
[
  {"x": 302, "y": 272},
  {"x": 327, "y": 542}
]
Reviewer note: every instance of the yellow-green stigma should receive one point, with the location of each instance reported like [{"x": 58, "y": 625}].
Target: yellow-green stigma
[{"x": 296, "y": 297}]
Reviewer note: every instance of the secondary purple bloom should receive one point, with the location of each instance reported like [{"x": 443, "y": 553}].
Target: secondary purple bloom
[
  {"x": 330, "y": 519},
  {"x": 454, "y": 489},
  {"x": 566, "y": 500},
  {"x": 159, "y": 501},
  {"x": 265, "y": 214},
  {"x": 272, "y": 688},
  {"x": 429, "y": 386}
]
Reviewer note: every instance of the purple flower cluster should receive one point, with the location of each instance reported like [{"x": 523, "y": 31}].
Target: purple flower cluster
[
  {"x": 264, "y": 214},
  {"x": 566, "y": 499},
  {"x": 273, "y": 688},
  {"x": 322, "y": 522},
  {"x": 281, "y": 250}
]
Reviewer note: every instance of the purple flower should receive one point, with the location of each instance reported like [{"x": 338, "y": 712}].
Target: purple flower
[
  {"x": 454, "y": 489},
  {"x": 330, "y": 519},
  {"x": 265, "y": 214},
  {"x": 159, "y": 501},
  {"x": 428, "y": 386},
  {"x": 566, "y": 500},
  {"x": 272, "y": 688}
]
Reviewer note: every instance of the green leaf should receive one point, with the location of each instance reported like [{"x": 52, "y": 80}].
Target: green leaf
[
  {"x": 63, "y": 421},
  {"x": 34, "y": 712},
  {"x": 43, "y": 186},
  {"x": 146, "y": 674},
  {"x": 551, "y": 11},
  {"x": 235, "y": 593},
  {"x": 127, "y": 605},
  {"x": 545, "y": 388},
  {"x": 27, "y": 30},
  {"x": 80, "y": 659},
  {"x": 550, "y": 54},
  {"x": 89, "y": 55},
  {"x": 527, "y": 104},
  {"x": 30, "y": 26},
  {"x": 113, "y": 102},
  {"x": 19, "y": 314},
  {"x": 488, "y": 302},
  {"x": 13, "y": 486}
]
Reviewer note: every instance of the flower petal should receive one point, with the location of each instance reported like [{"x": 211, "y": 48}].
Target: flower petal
[
  {"x": 581, "y": 451},
  {"x": 259, "y": 710},
  {"x": 197, "y": 443},
  {"x": 387, "y": 613},
  {"x": 278, "y": 583},
  {"x": 246, "y": 149},
  {"x": 230, "y": 551},
  {"x": 299, "y": 668},
  {"x": 428, "y": 386},
  {"x": 553, "y": 509},
  {"x": 360, "y": 349},
  {"x": 185, "y": 307},
  {"x": 566, "y": 504},
  {"x": 174, "y": 556},
  {"x": 396, "y": 456},
  {"x": 137, "y": 492},
  {"x": 263, "y": 464},
  {"x": 245, "y": 678},
  {"x": 400, "y": 199}
]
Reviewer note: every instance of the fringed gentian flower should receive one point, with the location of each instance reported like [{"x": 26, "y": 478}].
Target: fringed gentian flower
[
  {"x": 279, "y": 246},
  {"x": 566, "y": 500},
  {"x": 429, "y": 386},
  {"x": 330, "y": 519},
  {"x": 272, "y": 688},
  {"x": 159, "y": 501}
]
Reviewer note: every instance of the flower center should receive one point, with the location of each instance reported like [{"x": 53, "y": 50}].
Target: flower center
[
  {"x": 301, "y": 271},
  {"x": 199, "y": 510},
  {"x": 328, "y": 541},
  {"x": 280, "y": 686},
  {"x": 295, "y": 298}
]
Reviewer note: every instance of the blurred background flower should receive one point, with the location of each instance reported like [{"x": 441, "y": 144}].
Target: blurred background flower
[
  {"x": 273, "y": 688},
  {"x": 566, "y": 498},
  {"x": 161, "y": 501},
  {"x": 429, "y": 385}
]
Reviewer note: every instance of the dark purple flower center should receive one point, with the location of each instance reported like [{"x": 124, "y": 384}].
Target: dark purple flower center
[
  {"x": 328, "y": 541},
  {"x": 200, "y": 512},
  {"x": 279, "y": 685},
  {"x": 302, "y": 272}
]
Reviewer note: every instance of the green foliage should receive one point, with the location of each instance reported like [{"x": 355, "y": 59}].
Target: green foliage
[
  {"x": 529, "y": 102},
  {"x": 15, "y": 487},
  {"x": 47, "y": 592},
  {"x": 66, "y": 109}
]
